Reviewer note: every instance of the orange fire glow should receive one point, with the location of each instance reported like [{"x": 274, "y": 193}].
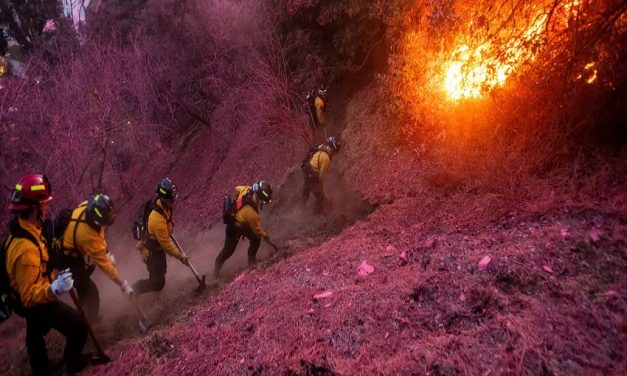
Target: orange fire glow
[
  {"x": 472, "y": 72},
  {"x": 590, "y": 72},
  {"x": 572, "y": 6}
]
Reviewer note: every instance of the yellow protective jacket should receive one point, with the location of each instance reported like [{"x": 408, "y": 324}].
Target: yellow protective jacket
[
  {"x": 247, "y": 217},
  {"x": 27, "y": 269},
  {"x": 4, "y": 66},
  {"x": 319, "y": 104},
  {"x": 320, "y": 162},
  {"x": 160, "y": 228},
  {"x": 89, "y": 242}
]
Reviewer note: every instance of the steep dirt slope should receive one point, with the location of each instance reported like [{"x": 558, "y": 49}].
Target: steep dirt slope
[{"x": 550, "y": 301}]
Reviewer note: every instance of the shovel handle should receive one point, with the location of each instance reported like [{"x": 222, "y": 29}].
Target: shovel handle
[
  {"x": 139, "y": 308},
  {"x": 78, "y": 305},
  {"x": 143, "y": 321},
  {"x": 188, "y": 262},
  {"x": 176, "y": 243},
  {"x": 194, "y": 271}
]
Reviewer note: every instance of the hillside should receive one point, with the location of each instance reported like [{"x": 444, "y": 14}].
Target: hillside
[{"x": 481, "y": 231}]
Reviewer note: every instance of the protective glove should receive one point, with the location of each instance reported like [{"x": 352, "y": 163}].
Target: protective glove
[
  {"x": 127, "y": 289},
  {"x": 184, "y": 259},
  {"x": 63, "y": 283},
  {"x": 111, "y": 258}
]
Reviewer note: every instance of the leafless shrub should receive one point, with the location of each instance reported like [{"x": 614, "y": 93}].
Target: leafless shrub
[{"x": 111, "y": 111}]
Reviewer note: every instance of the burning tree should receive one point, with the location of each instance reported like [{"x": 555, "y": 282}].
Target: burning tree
[{"x": 474, "y": 69}]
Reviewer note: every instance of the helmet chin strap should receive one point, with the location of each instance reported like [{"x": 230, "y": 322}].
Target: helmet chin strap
[
  {"x": 167, "y": 203},
  {"x": 40, "y": 215}
]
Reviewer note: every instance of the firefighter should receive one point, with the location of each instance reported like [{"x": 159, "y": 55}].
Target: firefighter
[
  {"x": 84, "y": 238},
  {"x": 317, "y": 103},
  {"x": 159, "y": 242},
  {"x": 315, "y": 168},
  {"x": 35, "y": 288},
  {"x": 245, "y": 222}
]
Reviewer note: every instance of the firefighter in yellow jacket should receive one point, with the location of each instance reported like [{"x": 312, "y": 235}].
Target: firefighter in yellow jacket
[
  {"x": 83, "y": 247},
  {"x": 317, "y": 104},
  {"x": 246, "y": 222},
  {"x": 159, "y": 242},
  {"x": 315, "y": 168},
  {"x": 34, "y": 290}
]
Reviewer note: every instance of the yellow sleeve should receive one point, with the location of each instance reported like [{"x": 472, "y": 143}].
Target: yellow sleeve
[
  {"x": 239, "y": 190},
  {"x": 319, "y": 103},
  {"x": 251, "y": 219},
  {"x": 160, "y": 229},
  {"x": 33, "y": 288},
  {"x": 323, "y": 166},
  {"x": 93, "y": 244}
]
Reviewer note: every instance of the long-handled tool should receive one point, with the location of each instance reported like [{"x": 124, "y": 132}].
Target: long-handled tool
[
  {"x": 102, "y": 357},
  {"x": 201, "y": 280},
  {"x": 144, "y": 324},
  {"x": 324, "y": 127}
]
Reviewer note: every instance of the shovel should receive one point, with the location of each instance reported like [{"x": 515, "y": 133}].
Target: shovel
[
  {"x": 201, "y": 280},
  {"x": 102, "y": 357},
  {"x": 144, "y": 325}
]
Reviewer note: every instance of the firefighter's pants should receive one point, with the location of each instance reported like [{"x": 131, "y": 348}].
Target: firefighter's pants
[
  {"x": 315, "y": 187},
  {"x": 157, "y": 268},
  {"x": 62, "y": 318},
  {"x": 233, "y": 234}
]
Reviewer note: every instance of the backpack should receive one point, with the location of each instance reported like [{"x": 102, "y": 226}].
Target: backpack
[
  {"x": 59, "y": 225},
  {"x": 306, "y": 166},
  {"x": 9, "y": 299},
  {"x": 228, "y": 212},
  {"x": 140, "y": 224},
  {"x": 58, "y": 259},
  {"x": 230, "y": 207},
  {"x": 61, "y": 222}
]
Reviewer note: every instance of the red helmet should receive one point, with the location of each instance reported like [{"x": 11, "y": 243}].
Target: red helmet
[{"x": 31, "y": 190}]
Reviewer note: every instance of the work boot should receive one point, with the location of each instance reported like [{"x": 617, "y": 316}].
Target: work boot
[
  {"x": 51, "y": 369},
  {"x": 83, "y": 362}
]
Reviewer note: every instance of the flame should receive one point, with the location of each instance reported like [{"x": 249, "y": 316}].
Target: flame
[
  {"x": 472, "y": 72},
  {"x": 592, "y": 78},
  {"x": 3, "y": 66},
  {"x": 572, "y": 6},
  {"x": 589, "y": 68}
]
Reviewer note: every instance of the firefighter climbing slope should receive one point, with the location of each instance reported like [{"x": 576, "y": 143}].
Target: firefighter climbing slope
[
  {"x": 157, "y": 240},
  {"x": 315, "y": 167},
  {"x": 32, "y": 291},
  {"x": 317, "y": 104},
  {"x": 82, "y": 246},
  {"x": 242, "y": 219}
]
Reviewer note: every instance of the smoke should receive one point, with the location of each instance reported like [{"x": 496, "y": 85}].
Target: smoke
[{"x": 119, "y": 316}]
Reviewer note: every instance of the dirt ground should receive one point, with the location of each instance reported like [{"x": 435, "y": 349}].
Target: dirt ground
[{"x": 402, "y": 278}]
